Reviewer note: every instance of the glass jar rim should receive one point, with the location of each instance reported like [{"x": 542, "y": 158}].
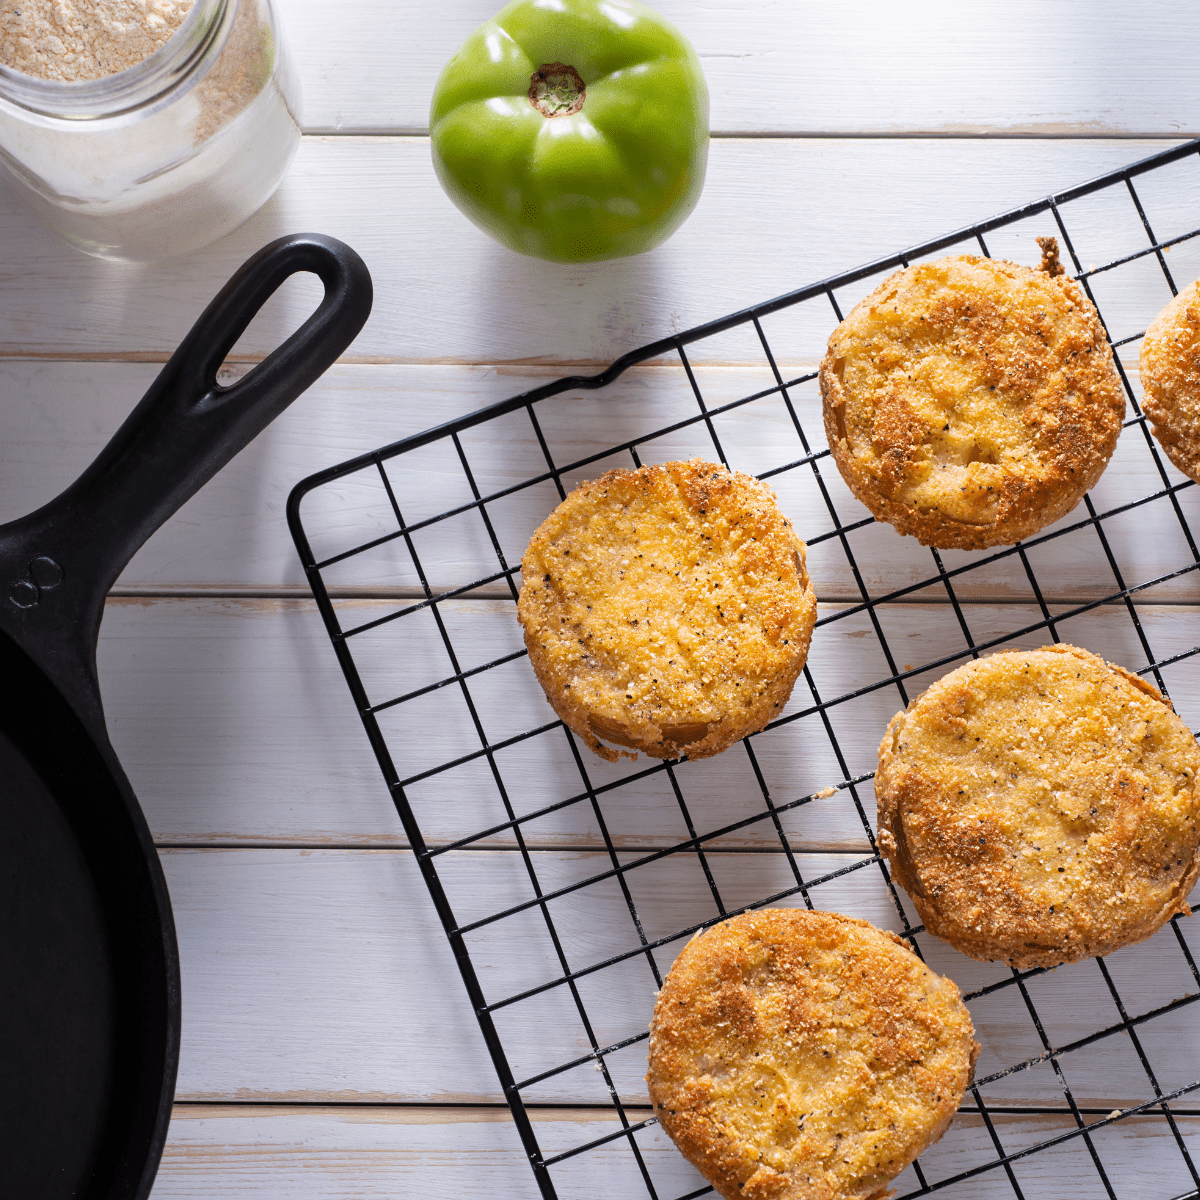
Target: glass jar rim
[{"x": 169, "y": 67}]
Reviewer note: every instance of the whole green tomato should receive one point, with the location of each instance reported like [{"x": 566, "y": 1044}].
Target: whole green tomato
[{"x": 573, "y": 130}]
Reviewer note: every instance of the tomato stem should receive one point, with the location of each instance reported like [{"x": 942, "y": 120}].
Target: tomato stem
[{"x": 556, "y": 90}]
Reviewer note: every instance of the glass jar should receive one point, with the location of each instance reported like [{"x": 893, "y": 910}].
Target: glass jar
[{"x": 168, "y": 155}]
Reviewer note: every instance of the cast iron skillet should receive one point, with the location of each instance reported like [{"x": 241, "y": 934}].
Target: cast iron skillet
[{"x": 89, "y": 970}]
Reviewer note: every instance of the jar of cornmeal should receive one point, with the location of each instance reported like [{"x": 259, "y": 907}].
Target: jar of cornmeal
[{"x": 142, "y": 129}]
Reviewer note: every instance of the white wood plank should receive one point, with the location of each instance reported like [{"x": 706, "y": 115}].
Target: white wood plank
[
  {"x": 775, "y": 215},
  {"x": 324, "y": 976},
  {"x": 313, "y": 1153},
  {"x": 234, "y": 724},
  {"x": 760, "y": 438},
  {"x": 54, "y": 416},
  {"x": 1061, "y": 69}
]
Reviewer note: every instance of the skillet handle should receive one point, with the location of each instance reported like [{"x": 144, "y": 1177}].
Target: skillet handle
[
  {"x": 58, "y": 563},
  {"x": 187, "y": 427}
]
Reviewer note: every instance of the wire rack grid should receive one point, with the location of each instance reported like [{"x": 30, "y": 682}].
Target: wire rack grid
[{"x": 1074, "y": 1062}]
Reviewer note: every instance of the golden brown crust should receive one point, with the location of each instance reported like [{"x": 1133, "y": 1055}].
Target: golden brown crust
[
  {"x": 1041, "y": 807},
  {"x": 971, "y": 401},
  {"x": 802, "y": 1055},
  {"x": 1170, "y": 371},
  {"x": 667, "y": 609}
]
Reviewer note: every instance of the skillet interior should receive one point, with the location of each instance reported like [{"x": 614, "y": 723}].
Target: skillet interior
[{"x": 86, "y": 986}]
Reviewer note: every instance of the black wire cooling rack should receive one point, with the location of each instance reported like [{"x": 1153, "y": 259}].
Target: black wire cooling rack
[{"x": 1075, "y": 1063}]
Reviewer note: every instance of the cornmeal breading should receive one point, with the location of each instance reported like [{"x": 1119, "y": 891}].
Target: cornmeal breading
[
  {"x": 1170, "y": 370},
  {"x": 667, "y": 609},
  {"x": 802, "y": 1055},
  {"x": 1041, "y": 807},
  {"x": 970, "y": 401}
]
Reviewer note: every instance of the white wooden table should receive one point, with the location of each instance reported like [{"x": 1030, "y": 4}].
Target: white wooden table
[{"x": 328, "y": 1046}]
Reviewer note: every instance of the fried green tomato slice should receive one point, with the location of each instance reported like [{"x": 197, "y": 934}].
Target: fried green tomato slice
[
  {"x": 970, "y": 402},
  {"x": 1040, "y": 806},
  {"x": 667, "y": 609},
  {"x": 800, "y": 1055},
  {"x": 1170, "y": 371}
]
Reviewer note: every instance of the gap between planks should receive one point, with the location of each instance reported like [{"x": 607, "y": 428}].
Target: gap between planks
[
  {"x": 236, "y": 366},
  {"x": 482, "y": 847},
  {"x": 228, "y": 592},
  {"x": 1056, "y": 133},
  {"x": 552, "y": 367},
  {"x": 498, "y": 1109}
]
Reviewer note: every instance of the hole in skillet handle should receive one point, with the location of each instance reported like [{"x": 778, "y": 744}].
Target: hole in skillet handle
[
  {"x": 307, "y": 353},
  {"x": 296, "y": 299}
]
